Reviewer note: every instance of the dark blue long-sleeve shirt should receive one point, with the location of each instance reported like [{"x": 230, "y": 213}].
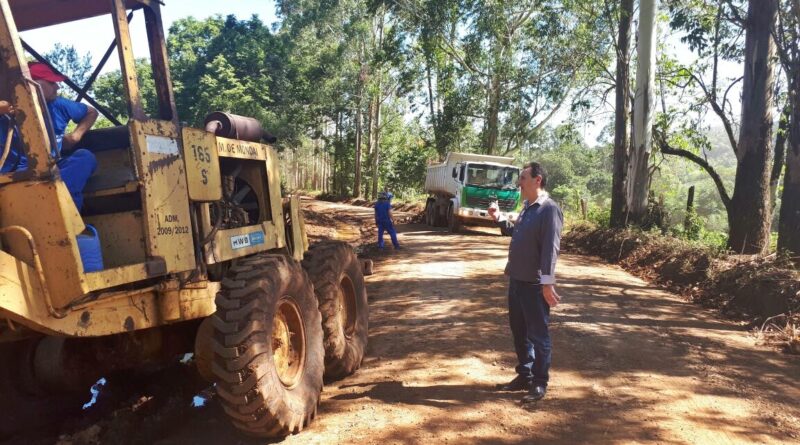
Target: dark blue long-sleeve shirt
[{"x": 535, "y": 242}]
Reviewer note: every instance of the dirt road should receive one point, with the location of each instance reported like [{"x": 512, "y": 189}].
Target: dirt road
[{"x": 631, "y": 363}]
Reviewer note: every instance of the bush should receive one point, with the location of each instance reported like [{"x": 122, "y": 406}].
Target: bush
[
  {"x": 693, "y": 225},
  {"x": 599, "y": 216}
]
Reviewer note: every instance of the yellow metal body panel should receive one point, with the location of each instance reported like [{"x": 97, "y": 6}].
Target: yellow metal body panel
[
  {"x": 221, "y": 248},
  {"x": 106, "y": 278},
  {"x": 202, "y": 165},
  {"x": 46, "y": 210},
  {"x": 233, "y": 148},
  {"x": 121, "y": 238},
  {"x": 298, "y": 234},
  {"x": 165, "y": 199},
  {"x": 15, "y": 88},
  {"x": 21, "y": 302},
  {"x": 242, "y": 241},
  {"x": 126, "y": 59}
]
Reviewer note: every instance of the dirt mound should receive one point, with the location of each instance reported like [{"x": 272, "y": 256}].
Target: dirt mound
[
  {"x": 664, "y": 260},
  {"x": 749, "y": 288},
  {"x": 417, "y": 209}
]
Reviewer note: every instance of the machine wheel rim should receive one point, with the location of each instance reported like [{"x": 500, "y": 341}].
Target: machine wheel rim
[
  {"x": 288, "y": 342},
  {"x": 348, "y": 311}
]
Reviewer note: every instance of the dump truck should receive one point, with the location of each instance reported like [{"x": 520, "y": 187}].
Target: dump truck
[
  {"x": 184, "y": 244},
  {"x": 462, "y": 188}
]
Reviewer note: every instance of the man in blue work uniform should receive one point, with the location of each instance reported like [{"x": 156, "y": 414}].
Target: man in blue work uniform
[
  {"x": 532, "y": 255},
  {"x": 384, "y": 220},
  {"x": 78, "y": 166}
]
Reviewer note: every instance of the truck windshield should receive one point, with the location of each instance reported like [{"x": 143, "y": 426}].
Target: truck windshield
[{"x": 492, "y": 176}]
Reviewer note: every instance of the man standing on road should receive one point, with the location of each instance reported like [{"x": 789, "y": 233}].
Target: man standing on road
[
  {"x": 532, "y": 255},
  {"x": 384, "y": 219}
]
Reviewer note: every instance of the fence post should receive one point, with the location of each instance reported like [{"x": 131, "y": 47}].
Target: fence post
[{"x": 689, "y": 209}]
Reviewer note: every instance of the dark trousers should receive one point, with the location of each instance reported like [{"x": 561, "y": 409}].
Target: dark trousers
[
  {"x": 529, "y": 315},
  {"x": 388, "y": 227}
]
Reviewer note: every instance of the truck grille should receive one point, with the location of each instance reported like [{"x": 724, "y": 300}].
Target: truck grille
[{"x": 506, "y": 205}]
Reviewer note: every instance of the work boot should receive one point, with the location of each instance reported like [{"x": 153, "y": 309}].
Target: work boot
[
  {"x": 536, "y": 392},
  {"x": 519, "y": 383}
]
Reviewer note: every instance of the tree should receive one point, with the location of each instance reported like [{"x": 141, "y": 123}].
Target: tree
[
  {"x": 109, "y": 90},
  {"x": 619, "y": 197},
  {"x": 749, "y": 220},
  {"x": 643, "y": 108},
  {"x": 787, "y": 36},
  {"x": 714, "y": 30}
]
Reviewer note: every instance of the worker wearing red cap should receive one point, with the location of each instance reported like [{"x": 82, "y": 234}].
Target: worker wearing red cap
[{"x": 77, "y": 165}]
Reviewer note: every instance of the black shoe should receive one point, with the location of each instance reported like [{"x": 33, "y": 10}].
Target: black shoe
[
  {"x": 536, "y": 392},
  {"x": 519, "y": 383}
]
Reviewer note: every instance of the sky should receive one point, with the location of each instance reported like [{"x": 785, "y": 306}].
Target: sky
[{"x": 94, "y": 35}]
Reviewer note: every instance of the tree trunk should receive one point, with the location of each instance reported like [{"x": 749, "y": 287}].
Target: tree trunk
[
  {"x": 492, "y": 114},
  {"x": 359, "y": 131},
  {"x": 375, "y": 107},
  {"x": 370, "y": 145},
  {"x": 643, "y": 106},
  {"x": 749, "y": 215},
  {"x": 434, "y": 121},
  {"x": 780, "y": 153},
  {"x": 789, "y": 222},
  {"x": 376, "y": 141},
  {"x": 619, "y": 205}
]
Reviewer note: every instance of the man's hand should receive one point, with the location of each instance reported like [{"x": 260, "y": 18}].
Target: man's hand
[
  {"x": 69, "y": 141},
  {"x": 6, "y": 108},
  {"x": 550, "y": 295},
  {"x": 492, "y": 210}
]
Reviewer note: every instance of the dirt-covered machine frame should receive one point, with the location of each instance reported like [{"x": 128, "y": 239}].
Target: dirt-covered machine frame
[{"x": 200, "y": 251}]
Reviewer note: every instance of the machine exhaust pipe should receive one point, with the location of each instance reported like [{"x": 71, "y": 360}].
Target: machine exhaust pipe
[{"x": 233, "y": 126}]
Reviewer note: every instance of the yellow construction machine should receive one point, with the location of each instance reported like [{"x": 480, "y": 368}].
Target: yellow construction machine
[{"x": 199, "y": 251}]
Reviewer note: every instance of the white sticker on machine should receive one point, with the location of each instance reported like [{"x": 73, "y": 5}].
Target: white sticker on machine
[
  {"x": 161, "y": 144},
  {"x": 251, "y": 239}
]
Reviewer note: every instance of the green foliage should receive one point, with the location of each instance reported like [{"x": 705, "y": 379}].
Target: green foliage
[
  {"x": 599, "y": 216},
  {"x": 574, "y": 170},
  {"x": 693, "y": 225},
  {"x": 109, "y": 90},
  {"x": 73, "y": 65}
]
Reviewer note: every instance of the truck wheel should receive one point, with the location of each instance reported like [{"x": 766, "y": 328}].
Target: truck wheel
[
  {"x": 339, "y": 285},
  {"x": 439, "y": 220},
  {"x": 452, "y": 219},
  {"x": 268, "y": 356},
  {"x": 430, "y": 213}
]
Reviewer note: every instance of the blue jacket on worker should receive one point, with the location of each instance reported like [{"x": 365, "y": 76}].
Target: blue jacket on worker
[{"x": 383, "y": 219}]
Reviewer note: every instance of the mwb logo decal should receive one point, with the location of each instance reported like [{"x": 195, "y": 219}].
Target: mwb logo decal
[{"x": 251, "y": 239}]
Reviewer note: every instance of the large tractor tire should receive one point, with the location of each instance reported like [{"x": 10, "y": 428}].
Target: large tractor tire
[
  {"x": 268, "y": 356},
  {"x": 24, "y": 405},
  {"x": 453, "y": 223},
  {"x": 339, "y": 285}
]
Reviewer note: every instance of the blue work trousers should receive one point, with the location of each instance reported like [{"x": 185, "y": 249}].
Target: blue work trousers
[
  {"x": 529, "y": 315},
  {"x": 387, "y": 226},
  {"x": 75, "y": 171}
]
